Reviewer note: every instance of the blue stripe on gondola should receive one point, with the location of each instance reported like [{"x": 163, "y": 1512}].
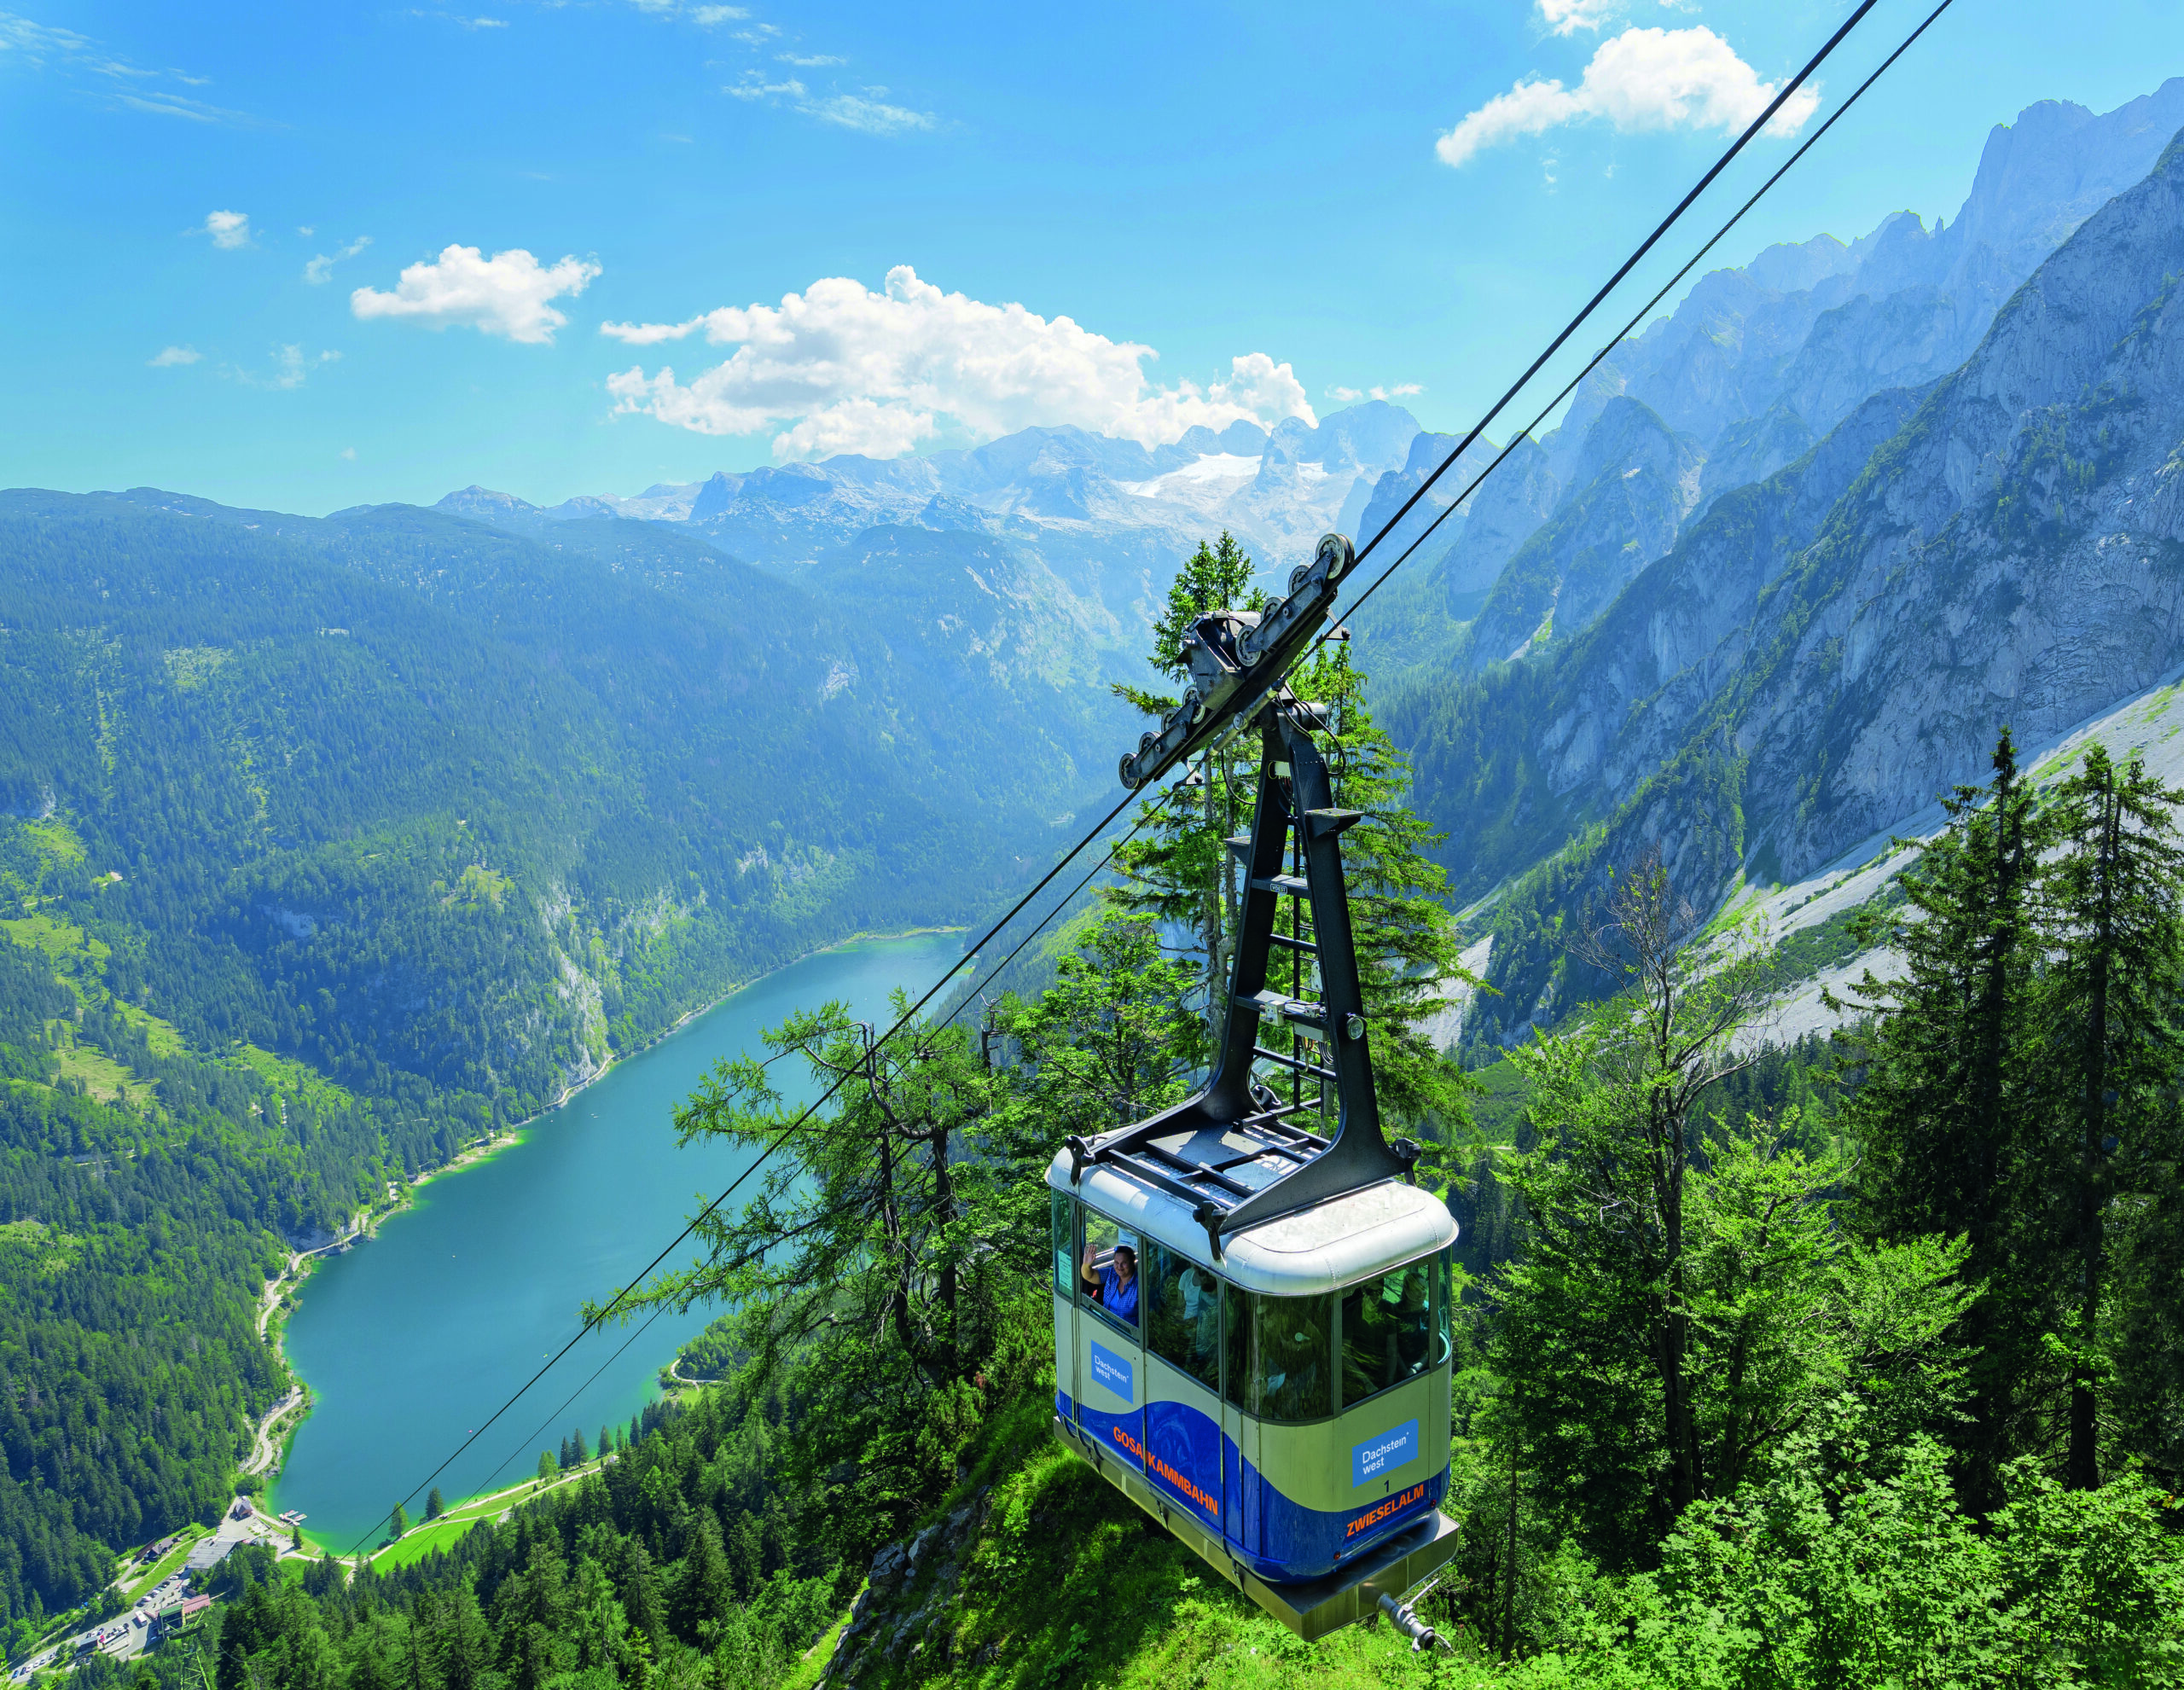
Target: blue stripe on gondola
[
  {"x": 1296, "y": 1543},
  {"x": 1282, "y": 1542},
  {"x": 1118, "y": 1433},
  {"x": 1182, "y": 1449}
]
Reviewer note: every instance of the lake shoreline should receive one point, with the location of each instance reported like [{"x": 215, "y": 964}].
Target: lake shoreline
[
  {"x": 569, "y": 1094},
  {"x": 365, "y": 1226}
]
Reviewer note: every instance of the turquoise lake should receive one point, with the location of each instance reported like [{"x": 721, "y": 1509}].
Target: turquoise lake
[{"x": 412, "y": 1339}]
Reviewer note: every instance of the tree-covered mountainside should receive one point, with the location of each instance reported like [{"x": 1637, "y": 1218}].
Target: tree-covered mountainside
[
  {"x": 1722, "y": 1398},
  {"x": 146, "y": 1192},
  {"x": 326, "y": 846},
  {"x": 401, "y": 794}
]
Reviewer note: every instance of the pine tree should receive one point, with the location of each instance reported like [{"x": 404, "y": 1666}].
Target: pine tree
[
  {"x": 463, "y": 1641},
  {"x": 1949, "y": 1114},
  {"x": 2114, "y": 895},
  {"x": 706, "y": 1588},
  {"x": 398, "y": 1521},
  {"x": 877, "y": 1259},
  {"x": 546, "y": 1468},
  {"x": 606, "y": 1442},
  {"x": 1097, "y": 1049},
  {"x": 1180, "y": 872},
  {"x": 638, "y": 1583},
  {"x": 435, "y": 1504},
  {"x": 577, "y": 1448}
]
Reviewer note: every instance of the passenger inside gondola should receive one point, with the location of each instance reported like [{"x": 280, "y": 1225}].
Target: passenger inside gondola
[
  {"x": 1111, "y": 1284},
  {"x": 1183, "y": 1315},
  {"x": 1385, "y": 1331}
]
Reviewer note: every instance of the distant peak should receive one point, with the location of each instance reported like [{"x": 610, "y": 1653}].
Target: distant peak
[{"x": 475, "y": 498}]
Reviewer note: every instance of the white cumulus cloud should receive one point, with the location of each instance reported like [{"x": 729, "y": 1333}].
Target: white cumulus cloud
[
  {"x": 1644, "y": 79},
  {"x": 508, "y": 294},
  {"x": 840, "y": 367},
  {"x": 228, "y": 229},
  {"x": 1566, "y": 17},
  {"x": 169, "y": 357},
  {"x": 321, "y": 269}
]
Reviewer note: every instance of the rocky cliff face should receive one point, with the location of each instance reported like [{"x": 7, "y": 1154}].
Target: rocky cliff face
[
  {"x": 1632, "y": 485},
  {"x": 2014, "y": 554},
  {"x": 1753, "y": 366},
  {"x": 1822, "y": 651}
]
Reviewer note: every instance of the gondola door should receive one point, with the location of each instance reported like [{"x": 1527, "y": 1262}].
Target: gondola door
[{"x": 1239, "y": 1433}]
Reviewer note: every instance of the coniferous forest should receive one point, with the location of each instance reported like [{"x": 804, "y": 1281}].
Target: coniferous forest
[
  {"x": 1852, "y": 1362},
  {"x": 1750, "y": 742}
]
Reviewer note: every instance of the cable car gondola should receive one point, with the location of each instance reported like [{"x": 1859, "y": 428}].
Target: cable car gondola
[{"x": 1252, "y": 1319}]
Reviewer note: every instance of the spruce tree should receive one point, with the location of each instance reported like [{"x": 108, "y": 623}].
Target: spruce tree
[
  {"x": 1097, "y": 1049},
  {"x": 398, "y": 1521},
  {"x": 1949, "y": 1116},
  {"x": 1179, "y": 871},
  {"x": 2112, "y": 903},
  {"x": 577, "y": 1448},
  {"x": 705, "y": 1588},
  {"x": 1407, "y": 943},
  {"x": 435, "y": 1504}
]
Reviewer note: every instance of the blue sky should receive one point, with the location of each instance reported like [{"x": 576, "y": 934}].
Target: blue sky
[{"x": 1263, "y": 195}]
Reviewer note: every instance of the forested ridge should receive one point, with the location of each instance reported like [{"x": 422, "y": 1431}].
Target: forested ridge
[{"x": 329, "y": 845}]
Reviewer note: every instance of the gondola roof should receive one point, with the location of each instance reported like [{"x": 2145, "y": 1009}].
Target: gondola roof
[{"x": 1324, "y": 1247}]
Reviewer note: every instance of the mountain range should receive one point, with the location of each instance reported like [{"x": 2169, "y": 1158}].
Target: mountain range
[{"x": 1789, "y": 558}]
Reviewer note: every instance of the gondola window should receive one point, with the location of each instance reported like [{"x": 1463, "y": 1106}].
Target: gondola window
[
  {"x": 1183, "y": 1323},
  {"x": 1236, "y": 1346},
  {"x": 1295, "y": 1340},
  {"x": 1386, "y": 1332},
  {"x": 1106, "y": 1284},
  {"x": 1064, "y": 1244}
]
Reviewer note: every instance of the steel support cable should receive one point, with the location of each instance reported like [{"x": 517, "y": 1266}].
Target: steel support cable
[
  {"x": 1575, "y": 324},
  {"x": 1627, "y": 266},
  {"x": 1643, "y": 311},
  {"x": 782, "y": 1137}
]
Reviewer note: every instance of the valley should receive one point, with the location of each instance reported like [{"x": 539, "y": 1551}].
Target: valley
[
  {"x": 376, "y": 887},
  {"x": 413, "y": 1339}
]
